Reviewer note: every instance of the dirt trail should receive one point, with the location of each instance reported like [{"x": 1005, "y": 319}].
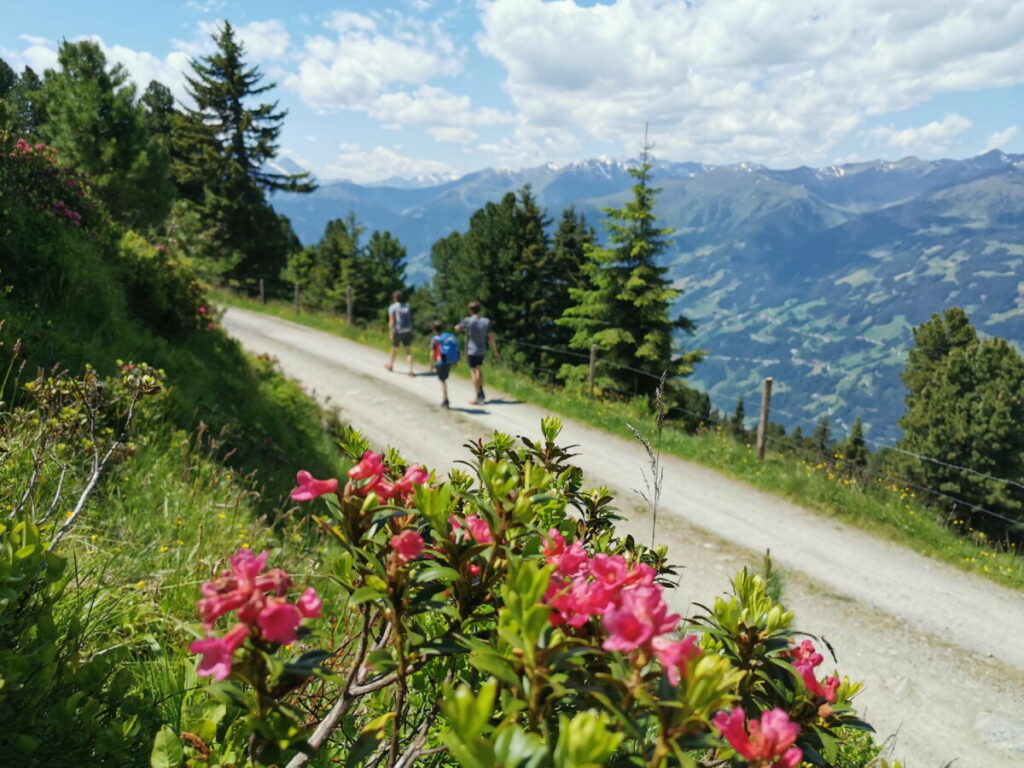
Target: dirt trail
[{"x": 941, "y": 651}]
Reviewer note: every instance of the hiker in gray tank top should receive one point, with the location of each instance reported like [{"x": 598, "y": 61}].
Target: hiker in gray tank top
[
  {"x": 399, "y": 329},
  {"x": 478, "y": 336}
]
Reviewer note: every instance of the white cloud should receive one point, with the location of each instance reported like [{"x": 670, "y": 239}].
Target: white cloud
[
  {"x": 205, "y": 6},
  {"x": 446, "y": 116},
  {"x": 142, "y": 66},
  {"x": 263, "y": 40},
  {"x": 366, "y": 166},
  {"x": 351, "y": 68},
  {"x": 773, "y": 82},
  {"x": 931, "y": 138},
  {"x": 1000, "y": 139},
  {"x": 40, "y": 54}
]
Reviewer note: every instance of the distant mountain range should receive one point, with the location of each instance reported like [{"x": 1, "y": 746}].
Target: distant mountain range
[{"x": 814, "y": 276}]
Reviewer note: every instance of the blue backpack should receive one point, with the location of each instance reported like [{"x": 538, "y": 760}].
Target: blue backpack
[{"x": 449, "y": 348}]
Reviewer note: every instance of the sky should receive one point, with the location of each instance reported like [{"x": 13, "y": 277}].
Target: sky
[{"x": 385, "y": 88}]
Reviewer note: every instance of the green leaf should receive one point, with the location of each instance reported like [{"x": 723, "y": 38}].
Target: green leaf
[
  {"x": 167, "y": 750},
  {"x": 366, "y": 594},
  {"x": 495, "y": 665}
]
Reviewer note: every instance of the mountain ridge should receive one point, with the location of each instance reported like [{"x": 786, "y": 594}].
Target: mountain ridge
[{"x": 824, "y": 270}]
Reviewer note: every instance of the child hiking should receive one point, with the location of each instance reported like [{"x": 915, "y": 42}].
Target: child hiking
[
  {"x": 444, "y": 352},
  {"x": 478, "y": 336},
  {"x": 399, "y": 329}
]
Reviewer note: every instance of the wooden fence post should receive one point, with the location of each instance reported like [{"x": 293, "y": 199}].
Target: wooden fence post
[
  {"x": 298, "y": 308},
  {"x": 762, "y": 424},
  {"x": 263, "y": 293},
  {"x": 593, "y": 367}
]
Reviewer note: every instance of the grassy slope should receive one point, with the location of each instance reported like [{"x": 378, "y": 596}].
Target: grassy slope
[
  {"x": 891, "y": 512},
  {"x": 212, "y": 462}
]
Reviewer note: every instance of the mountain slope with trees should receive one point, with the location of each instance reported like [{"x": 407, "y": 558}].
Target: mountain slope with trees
[{"x": 813, "y": 276}]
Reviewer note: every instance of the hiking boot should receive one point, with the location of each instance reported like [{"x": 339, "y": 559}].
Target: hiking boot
[{"x": 444, "y": 403}]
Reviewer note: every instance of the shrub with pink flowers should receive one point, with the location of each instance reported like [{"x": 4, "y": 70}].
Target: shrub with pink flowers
[
  {"x": 32, "y": 172},
  {"x": 494, "y": 618}
]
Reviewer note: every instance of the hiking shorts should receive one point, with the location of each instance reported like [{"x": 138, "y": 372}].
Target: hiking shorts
[
  {"x": 401, "y": 337},
  {"x": 443, "y": 369},
  {"x": 475, "y": 361}
]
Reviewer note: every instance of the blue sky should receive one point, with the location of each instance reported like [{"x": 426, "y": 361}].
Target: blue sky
[{"x": 406, "y": 87}]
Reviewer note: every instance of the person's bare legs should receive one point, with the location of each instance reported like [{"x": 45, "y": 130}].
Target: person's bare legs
[
  {"x": 408, "y": 356},
  {"x": 391, "y": 362},
  {"x": 477, "y": 377}
]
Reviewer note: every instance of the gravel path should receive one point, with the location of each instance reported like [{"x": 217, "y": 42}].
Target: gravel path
[{"x": 941, "y": 651}]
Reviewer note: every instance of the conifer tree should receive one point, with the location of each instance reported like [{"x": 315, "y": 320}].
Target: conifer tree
[
  {"x": 965, "y": 405},
  {"x": 380, "y": 272},
  {"x": 8, "y": 79},
  {"x": 222, "y": 150},
  {"x": 95, "y": 120},
  {"x": 25, "y": 108},
  {"x": 624, "y": 307},
  {"x": 736, "y": 424},
  {"x": 821, "y": 439},
  {"x": 855, "y": 449}
]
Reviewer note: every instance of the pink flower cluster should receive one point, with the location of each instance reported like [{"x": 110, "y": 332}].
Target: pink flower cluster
[
  {"x": 372, "y": 470},
  {"x": 765, "y": 742},
  {"x": 804, "y": 658},
  {"x": 74, "y": 218},
  {"x": 258, "y": 598},
  {"x": 632, "y": 607},
  {"x": 23, "y": 148}
]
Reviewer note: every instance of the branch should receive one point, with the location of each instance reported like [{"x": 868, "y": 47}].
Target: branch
[{"x": 98, "y": 466}]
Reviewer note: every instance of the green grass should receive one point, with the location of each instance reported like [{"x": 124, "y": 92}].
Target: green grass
[{"x": 888, "y": 511}]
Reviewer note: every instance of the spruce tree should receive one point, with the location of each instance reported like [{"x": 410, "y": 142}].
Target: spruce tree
[
  {"x": 855, "y": 449},
  {"x": 821, "y": 439},
  {"x": 625, "y": 305},
  {"x": 95, "y": 121},
  {"x": 965, "y": 405},
  {"x": 736, "y": 423},
  {"x": 380, "y": 272},
  {"x": 221, "y": 153},
  {"x": 221, "y": 85}
]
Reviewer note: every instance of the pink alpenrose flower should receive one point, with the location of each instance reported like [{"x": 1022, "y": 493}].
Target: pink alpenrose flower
[
  {"x": 218, "y": 652},
  {"x": 311, "y": 488},
  {"x": 479, "y": 529},
  {"x": 414, "y": 475},
  {"x": 673, "y": 655},
  {"x": 640, "y": 616},
  {"x": 309, "y": 604},
  {"x": 768, "y": 740},
  {"x": 369, "y": 466},
  {"x": 408, "y": 545},
  {"x": 278, "y": 621}
]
